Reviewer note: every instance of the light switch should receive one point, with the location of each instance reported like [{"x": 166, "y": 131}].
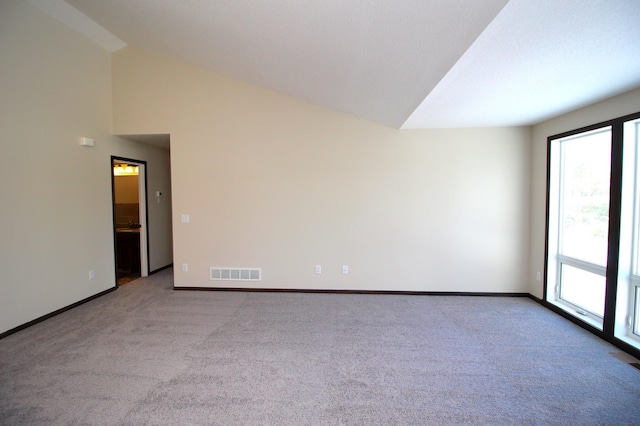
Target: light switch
[{"x": 184, "y": 218}]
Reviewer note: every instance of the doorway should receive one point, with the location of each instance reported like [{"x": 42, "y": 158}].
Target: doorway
[{"x": 129, "y": 201}]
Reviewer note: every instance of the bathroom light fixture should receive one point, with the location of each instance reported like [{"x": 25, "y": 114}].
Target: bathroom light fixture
[{"x": 125, "y": 170}]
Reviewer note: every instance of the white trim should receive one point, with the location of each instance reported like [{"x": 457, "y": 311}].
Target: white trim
[
  {"x": 583, "y": 264},
  {"x": 142, "y": 201}
]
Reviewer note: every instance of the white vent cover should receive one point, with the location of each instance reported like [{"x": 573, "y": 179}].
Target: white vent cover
[{"x": 236, "y": 274}]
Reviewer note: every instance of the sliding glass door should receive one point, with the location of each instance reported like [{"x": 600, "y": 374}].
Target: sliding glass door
[{"x": 593, "y": 227}]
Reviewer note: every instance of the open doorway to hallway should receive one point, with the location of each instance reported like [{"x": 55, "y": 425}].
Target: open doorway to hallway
[{"x": 129, "y": 219}]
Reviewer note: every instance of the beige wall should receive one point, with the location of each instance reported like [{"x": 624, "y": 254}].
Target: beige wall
[
  {"x": 274, "y": 182},
  {"x": 618, "y": 106},
  {"x": 159, "y": 213},
  {"x": 55, "y": 207}
]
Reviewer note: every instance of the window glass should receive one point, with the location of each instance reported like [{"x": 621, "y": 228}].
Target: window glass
[
  {"x": 583, "y": 289},
  {"x": 584, "y": 221}
]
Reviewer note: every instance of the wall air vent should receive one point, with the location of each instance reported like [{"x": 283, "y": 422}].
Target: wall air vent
[{"x": 236, "y": 274}]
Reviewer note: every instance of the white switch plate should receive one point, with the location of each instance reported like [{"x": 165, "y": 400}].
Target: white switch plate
[
  {"x": 538, "y": 276},
  {"x": 185, "y": 267},
  {"x": 318, "y": 269},
  {"x": 92, "y": 274},
  {"x": 345, "y": 269},
  {"x": 184, "y": 218}
]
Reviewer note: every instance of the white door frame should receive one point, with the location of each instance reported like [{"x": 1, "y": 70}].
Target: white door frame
[{"x": 144, "y": 219}]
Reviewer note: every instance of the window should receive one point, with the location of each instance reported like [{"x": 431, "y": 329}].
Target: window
[
  {"x": 581, "y": 175},
  {"x": 593, "y": 228},
  {"x": 628, "y": 283}
]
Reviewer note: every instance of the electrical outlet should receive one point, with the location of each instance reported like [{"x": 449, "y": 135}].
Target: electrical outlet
[
  {"x": 318, "y": 269},
  {"x": 185, "y": 267},
  {"x": 345, "y": 269},
  {"x": 184, "y": 218}
]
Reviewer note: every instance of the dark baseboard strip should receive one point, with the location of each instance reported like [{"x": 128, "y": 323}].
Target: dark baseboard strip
[
  {"x": 620, "y": 344},
  {"x": 54, "y": 313},
  {"x": 393, "y": 292},
  {"x": 161, "y": 269},
  {"x": 534, "y": 298}
]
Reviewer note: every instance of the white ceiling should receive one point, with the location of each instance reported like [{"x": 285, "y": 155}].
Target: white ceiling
[{"x": 403, "y": 63}]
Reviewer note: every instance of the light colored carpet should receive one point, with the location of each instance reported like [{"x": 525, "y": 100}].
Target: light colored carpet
[{"x": 146, "y": 354}]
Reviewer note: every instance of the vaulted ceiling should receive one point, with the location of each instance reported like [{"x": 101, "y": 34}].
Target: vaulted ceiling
[{"x": 402, "y": 63}]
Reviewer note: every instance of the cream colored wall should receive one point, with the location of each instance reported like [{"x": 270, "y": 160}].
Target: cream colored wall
[
  {"x": 55, "y": 207},
  {"x": 274, "y": 182},
  {"x": 627, "y": 103},
  {"x": 159, "y": 213}
]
